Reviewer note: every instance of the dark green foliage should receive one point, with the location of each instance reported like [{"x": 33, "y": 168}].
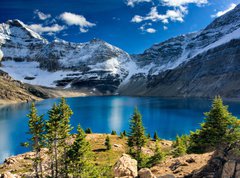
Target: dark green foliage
[
  {"x": 88, "y": 131},
  {"x": 36, "y": 130},
  {"x": 114, "y": 132},
  {"x": 148, "y": 136},
  {"x": 215, "y": 130},
  {"x": 180, "y": 145},
  {"x": 108, "y": 143},
  {"x": 53, "y": 133},
  {"x": 155, "y": 136},
  {"x": 136, "y": 136},
  {"x": 124, "y": 133},
  {"x": 79, "y": 157}
]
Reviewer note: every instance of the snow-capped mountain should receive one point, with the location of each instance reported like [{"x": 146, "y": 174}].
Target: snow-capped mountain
[
  {"x": 204, "y": 63},
  {"x": 30, "y": 58},
  {"x": 187, "y": 65}
]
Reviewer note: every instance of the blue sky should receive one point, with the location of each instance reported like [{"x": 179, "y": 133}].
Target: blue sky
[{"x": 133, "y": 25}]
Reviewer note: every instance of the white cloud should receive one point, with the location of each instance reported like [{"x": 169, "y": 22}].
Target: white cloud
[
  {"x": 132, "y": 3},
  {"x": 165, "y": 27},
  {"x": 78, "y": 20},
  {"x": 153, "y": 15},
  {"x": 41, "y": 15},
  {"x": 220, "y": 13},
  {"x": 151, "y": 30},
  {"x": 83, "y": 30},
  {"x": 178, "y": 3},
  {"x": 45, "y": 29}
]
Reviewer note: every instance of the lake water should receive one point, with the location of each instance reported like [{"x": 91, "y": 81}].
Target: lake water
[{"x": 168, "y": 117}]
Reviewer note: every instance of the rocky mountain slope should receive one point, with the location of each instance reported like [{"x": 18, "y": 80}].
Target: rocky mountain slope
[
  {"x": 13, "y": 91},
  {"x": 200, "y": 64}
]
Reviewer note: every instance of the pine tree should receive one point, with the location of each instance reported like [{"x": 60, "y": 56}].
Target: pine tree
[
  {"x": 155, "y": 136},
  {"x": 136, "y": 137},
  {"x": 52, "y": 135},
  {"x": 214, "y": 130},
  {"x": 36, "y": 126},
  {"x": 121, "y": 135},
  {"x": 88, "y": 131},
  {"x": 180, "y": 146},
  {"x": 124, "y": 133},
  {"x": 157, "y": 157},
  {"x": 148, "y": 136},
  {"x": 108, "y": 143},
  {"x": 79, "y": 157},
  {"x": 65, "y": 128},
  {"x": 113, "y": 132}
]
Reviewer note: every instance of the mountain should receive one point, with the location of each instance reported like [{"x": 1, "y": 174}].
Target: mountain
[
  {"x": 200, "y": 64},
  {"x": 30, "y": 58}
]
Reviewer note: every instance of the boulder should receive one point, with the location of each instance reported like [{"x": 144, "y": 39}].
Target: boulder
[
  {"x": 125, "y": 166},
  {"x": 146, "y": 173},
  {"x": 8, "y": 175},
  {"x": 229, "y": 169}
]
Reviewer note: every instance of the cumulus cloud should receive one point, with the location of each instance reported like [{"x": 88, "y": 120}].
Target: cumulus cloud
[
  {"x": 179, "y": 3},
  {"x": 153, "y": 15},
  {"x": 78, "y": 20},
  {"x": 41, "y": 15},
  {"x": 132, "y": 3},
  {"x": 176, "y": 10},
  {"x": 39, "y": 28},
  {"x": 148, "y": 29},
  {"x": 220, "y": 13}
]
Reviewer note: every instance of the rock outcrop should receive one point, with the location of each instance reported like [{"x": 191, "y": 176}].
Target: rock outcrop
[
  {"x": 146, "y": 173},
  {"x": 125, "y": 166},
  {"x": 225, "y": 163}
]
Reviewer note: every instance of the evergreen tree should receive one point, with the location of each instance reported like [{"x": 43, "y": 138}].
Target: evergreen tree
[
  {"x": 155, "y": 136},
  {"x": 79, "y": 157},
  {"x": 136, "y": 137},
  {"x": 214, "y": 130},
  {"x": 124, "y": 133},
  {"x": 108, "y": 143},
  {"x": 88, "y": 131},
  {"x": 148, "y": 136},
  {"x": 157, "y": 157},
  {"x": 180, "y": 146},
  {"x": 65, "y": 114},
  {"x": 36, "y": 130},
  {"x": 53, "y": 134},
  {"x": 114, "y": 132}
]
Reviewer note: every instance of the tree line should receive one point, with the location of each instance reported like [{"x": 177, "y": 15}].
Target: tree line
[{"x": 71, "y": 155}]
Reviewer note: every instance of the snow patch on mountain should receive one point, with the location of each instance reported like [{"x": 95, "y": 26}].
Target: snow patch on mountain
[{"x": 22, "y": 71}]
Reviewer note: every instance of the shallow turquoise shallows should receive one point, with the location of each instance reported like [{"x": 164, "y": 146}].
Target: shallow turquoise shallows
[{"x": 168, "y": 117}]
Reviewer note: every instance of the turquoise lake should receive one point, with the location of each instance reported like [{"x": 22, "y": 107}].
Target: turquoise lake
[{"x": 168, "y": 117}]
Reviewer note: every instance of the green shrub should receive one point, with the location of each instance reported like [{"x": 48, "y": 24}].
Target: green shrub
[
  {"x": 88, "y": 131},
  {"x": 114, "y": 132}
]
